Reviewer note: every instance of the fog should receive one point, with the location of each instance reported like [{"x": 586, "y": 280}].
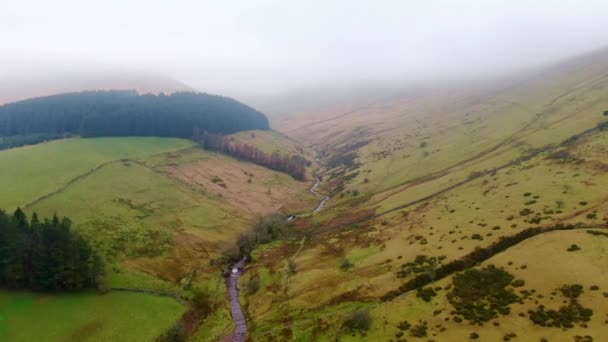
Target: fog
[{"x": 251, "y": 47}]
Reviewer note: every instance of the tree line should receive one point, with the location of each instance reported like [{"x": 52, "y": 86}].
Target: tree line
[
  {"x": 45, "y": 255},
  {"x": 294, "y": 165},
  {"x": 22, "y": 140},
  {"x": 126, "y": 113}
]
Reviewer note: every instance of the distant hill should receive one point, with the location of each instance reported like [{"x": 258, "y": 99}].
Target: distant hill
[{"x": 125, "y": 113}]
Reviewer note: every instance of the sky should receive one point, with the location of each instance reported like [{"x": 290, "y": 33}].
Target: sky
[{"x": 271, "y": 46}]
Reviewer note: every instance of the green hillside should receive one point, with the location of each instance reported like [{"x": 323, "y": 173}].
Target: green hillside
[
  {"x": 29, "y": 173},
  {"x": 154, "y": 210}
]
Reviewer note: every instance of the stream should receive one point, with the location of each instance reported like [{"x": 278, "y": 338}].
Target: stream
[
  {"x": 236, "y": 270},
  {"x": 314, "y": 191}
]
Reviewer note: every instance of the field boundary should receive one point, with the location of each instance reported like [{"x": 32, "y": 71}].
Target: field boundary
[
  {"x": 70, "y": 182},
  {"x": 88, "y": 173}
]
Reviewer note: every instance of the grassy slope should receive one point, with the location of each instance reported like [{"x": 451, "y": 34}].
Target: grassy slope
[
  {"x": 30, "y": 172},
  {"x": 504, "y": 124},
  {"x": 548, "y": 267},
  {"x": 269, "y": 141},
  {"x": 90, "y": 317}
]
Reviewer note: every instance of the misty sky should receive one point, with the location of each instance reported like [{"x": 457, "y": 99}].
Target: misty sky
[{"x": 269, "y": 46}]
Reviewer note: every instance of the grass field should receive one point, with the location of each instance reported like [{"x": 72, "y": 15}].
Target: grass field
[
  {"x": 85, "y": 317},
  {"x": 29, "y": 172}
]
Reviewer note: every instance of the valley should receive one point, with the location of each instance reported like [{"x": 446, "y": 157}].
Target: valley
[
  {"x": 396, "y": 207},
  {"x": 407, "y": 190},
  {"x": 318, "y": 171}
]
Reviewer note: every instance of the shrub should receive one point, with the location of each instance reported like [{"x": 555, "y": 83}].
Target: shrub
[
  {"x": 573, "y": 248},
  {"x": 426, "y": 293},
  {"x": 571, "y": 291},
  {"x": 419, "y": 330},
  {"x": 518, "y": 283},
  {"x": 423, "y": 144},
  {"x": 291, "y": 267},
  {"x": 201, "y": 302},
  {"x": 253, "y": 285},
  {"x": 346, "y": 265},
  {"x": 476, "y": 237},
  {"x": 404, "y": 325},
  {"x": 474, "y": 336},
  {"x": 526, "y": 212},
  {"x": 360, "y": 320}
]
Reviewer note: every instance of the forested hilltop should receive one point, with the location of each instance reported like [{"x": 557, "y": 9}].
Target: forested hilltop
[{"x": 124, "y": 113}]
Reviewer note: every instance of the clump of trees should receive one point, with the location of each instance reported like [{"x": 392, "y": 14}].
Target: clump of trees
[
  {"x": 45, "y": 255},
  {"x": 126, "y": 113},
  {"x": 294, "y": 165},
  {"x": 263, "y": 230},
  {"x": 479, "y": 295}
]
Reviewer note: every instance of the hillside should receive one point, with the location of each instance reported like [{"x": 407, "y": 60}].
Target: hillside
[
  {"x": 164, "y": 213},
  {"x": 124, "y": 113},
  {"x": 419, "y": 180}
]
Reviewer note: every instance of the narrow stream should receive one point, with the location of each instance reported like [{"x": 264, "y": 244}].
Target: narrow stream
[
  {"x": 236, "y": 270},
  {"x": 240, "y": 324},
  {"x": 314, "y": 191}
]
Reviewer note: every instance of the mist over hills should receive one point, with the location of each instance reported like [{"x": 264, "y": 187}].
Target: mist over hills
[{"x": 17, "y": 89}]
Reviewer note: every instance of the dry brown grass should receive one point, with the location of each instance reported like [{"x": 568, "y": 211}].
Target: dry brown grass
[{"x": 245, "y": 186}]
